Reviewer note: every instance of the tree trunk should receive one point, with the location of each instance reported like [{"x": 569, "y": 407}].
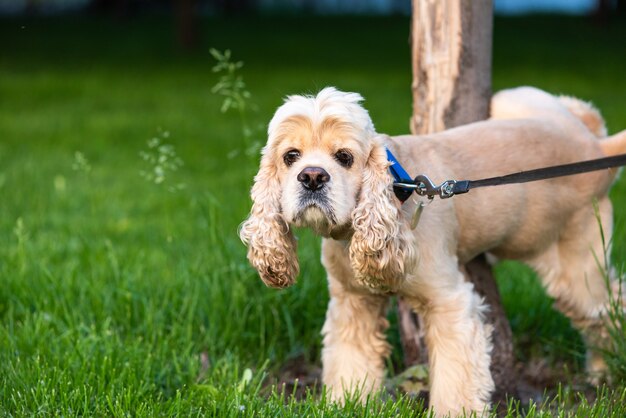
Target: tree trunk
[
  {"x": 235, "y": 7},
  {"x": 502, "y": 367},
  {"x": 118, "y": 9},
  {"x": 620, "y": 8},
  {"x": 186, "y": 23},
  {"x": 602, "y": 11},
  {"x": 32, "y": 7},
  {"x": 451, "y": 50},
  {"x": 451, "y": 55}
]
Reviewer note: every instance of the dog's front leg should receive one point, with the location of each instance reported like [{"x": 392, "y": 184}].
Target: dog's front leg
[
  {"x": 355, "y": 346},
  {"x": 354, "y": 343},
  {"x": 459, "y": 344}
]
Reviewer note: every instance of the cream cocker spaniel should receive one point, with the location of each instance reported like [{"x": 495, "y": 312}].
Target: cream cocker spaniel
[{"x": 325, "y": 167}]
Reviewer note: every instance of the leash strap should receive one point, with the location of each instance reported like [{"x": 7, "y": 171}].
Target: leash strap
[
  {"x": 423, "y": 186},
  {"x": 548, "y": 172}
]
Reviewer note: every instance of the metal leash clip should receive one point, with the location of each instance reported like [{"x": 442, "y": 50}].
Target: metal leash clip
[{"x": 424, "y": 186}]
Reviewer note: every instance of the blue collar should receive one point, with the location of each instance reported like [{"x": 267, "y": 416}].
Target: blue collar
[{"x": 400, "y": 176}]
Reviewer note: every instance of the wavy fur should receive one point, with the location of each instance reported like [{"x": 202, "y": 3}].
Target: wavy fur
[
  {"x": 271, "y": 245},
  {"x": 382, "y": 249}
]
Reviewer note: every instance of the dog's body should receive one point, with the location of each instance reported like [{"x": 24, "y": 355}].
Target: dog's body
[{"x": 369, "y": 250}]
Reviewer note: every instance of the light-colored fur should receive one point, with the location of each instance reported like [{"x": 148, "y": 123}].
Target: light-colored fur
[{"x": 370, "y": 252}]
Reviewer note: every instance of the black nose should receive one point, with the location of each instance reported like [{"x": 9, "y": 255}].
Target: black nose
[{"x": 313, "y": 178}]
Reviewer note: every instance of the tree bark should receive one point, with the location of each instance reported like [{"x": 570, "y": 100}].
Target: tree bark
[
  {"x": 503, "y": 369},
  {"x": 411, "y": 335},
  {"x": 451, "y": 56},
  {"x": 451, "y": 50}
]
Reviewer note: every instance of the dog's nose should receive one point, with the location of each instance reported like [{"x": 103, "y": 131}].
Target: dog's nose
[{"x": 313, "y": 178}]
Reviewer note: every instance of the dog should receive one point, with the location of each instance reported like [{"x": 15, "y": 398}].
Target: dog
[{"x": 324, "y": 167}]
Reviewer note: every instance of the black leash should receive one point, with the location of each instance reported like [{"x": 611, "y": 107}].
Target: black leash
[{"x": 403, "y": 186}]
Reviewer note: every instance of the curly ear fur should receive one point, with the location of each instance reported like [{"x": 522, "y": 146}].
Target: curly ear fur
[
  {"x": 382, "y": 250},
  {"x": 271, "y": 245}
]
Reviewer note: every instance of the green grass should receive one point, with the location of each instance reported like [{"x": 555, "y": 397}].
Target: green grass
[{"x": 119, "y": 297}]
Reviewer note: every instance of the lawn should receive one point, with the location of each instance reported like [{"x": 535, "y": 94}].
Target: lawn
[{"x": 124, "y": 294}]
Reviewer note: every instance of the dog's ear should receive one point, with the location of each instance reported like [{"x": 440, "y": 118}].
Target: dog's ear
[
  {"x": 382, "y": 249},
  {"x": 271, "y": 245}
]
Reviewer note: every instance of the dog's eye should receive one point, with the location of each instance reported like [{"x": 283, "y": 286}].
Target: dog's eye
[
  {"x": 344, "y": 158},
  {"x": 291, "y": 157}
]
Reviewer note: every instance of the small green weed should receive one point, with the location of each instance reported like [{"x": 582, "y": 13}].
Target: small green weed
[
  {"x": 161, "y": 162},
  {"x": 237, "y": 98}
]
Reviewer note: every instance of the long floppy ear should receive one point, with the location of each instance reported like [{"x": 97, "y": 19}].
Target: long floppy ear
[
  {"x": 382, "y": 250},
  {"x": 271, "y": 245}
]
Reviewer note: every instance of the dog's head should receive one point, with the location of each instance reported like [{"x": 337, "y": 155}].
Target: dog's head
[{"x": 325, "y": 168}]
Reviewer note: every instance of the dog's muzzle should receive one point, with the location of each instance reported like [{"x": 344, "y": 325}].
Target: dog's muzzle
[{"x": 313, "y": 178}]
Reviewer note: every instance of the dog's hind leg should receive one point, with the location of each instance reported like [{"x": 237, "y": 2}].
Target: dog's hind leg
[
  {"x": 576, "y": 272},
  {"x": 355, "y": 346}
]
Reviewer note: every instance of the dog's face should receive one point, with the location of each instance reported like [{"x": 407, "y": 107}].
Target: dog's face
[
  {"x": 320, "y": 166},
  {"x": 324, "y": 168}
]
